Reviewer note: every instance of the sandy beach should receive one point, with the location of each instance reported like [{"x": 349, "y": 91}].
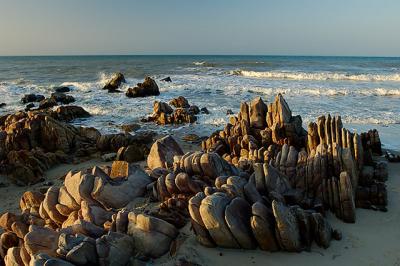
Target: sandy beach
[{"x": 373, "y": 240}]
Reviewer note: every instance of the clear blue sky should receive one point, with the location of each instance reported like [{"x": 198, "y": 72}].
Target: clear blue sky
[{"x": 283, "y": 27}]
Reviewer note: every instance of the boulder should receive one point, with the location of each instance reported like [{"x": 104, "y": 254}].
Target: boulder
[
  {"x": 152, "y": 236},
  {"x": 47, "y": 103},
  {"x": 62, "y": 98},
  {"x": 287, "y": 227},
  {"x": 118, "y": 193},
  {"x": 41, "y": 239},
  {"x": 258, "y": 110},
  {"x": 212, "y": 211},
  {"x": 162, "y": 153},
  {"x": 237, "y": 217},
  {"x": 69, "y": 113},
  {"x": 115, "y": 249},
  {"x": 62, "y": 89},
  {"x": 148, "y": 88},
  {"x": 28, "y": 98},
  {"x": 199, "y": 228},
  {"x": 180, "y": 102},
  {"x": 113, "y": 84},
  {"x": 262, "y": 224}
]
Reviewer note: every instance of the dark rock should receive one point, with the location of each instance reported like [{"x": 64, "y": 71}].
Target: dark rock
[
  {"x": 32, "y": 98},
  {"x": 2, "y": 105},
  {"x": 167, "y": 79},
  {"x": 229, "y": 112},
  {"x": 204, "y": 110},
  {"x": 115, "y": 82},
  {"x": 62, "y": 98},
  {"x": 148, "y": 88},
  {"x": 69, "y": 113},
  {"x": 62, "y": 89},
  {"x": 47, "y": 103},
  {"x": 29, "y": 106},
  {"x": 130, "y": 127}
]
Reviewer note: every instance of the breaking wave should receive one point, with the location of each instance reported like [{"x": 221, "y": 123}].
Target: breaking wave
[{"x": 316, "y": 75}]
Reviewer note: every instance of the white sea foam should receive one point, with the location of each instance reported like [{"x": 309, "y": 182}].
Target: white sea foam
[{"x": 316, "y": 75}]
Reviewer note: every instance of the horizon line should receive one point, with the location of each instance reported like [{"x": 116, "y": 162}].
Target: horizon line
[{"x": 271, "y": 55}]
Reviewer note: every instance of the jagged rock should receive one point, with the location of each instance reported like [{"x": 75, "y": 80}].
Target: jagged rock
[
  {"x": 287, "y": 227},
  {"x": 115, "y": 82},
  {"x": 32, "y": 98},
  {"x": 148, "y": 88},
  {"x": 180, "y": 102},
  {"x": 258, "y": 111},
  {"x": 116, "y": 194},
  {"x": 112, "y": 142},
  {"x": 347, "y": 198},
  {"x": 162, "y": 153},
  {"x": 162, "y": 107}
]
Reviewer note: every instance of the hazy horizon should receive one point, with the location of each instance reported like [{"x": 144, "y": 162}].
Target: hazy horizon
[{"x": 177, "y": 27}]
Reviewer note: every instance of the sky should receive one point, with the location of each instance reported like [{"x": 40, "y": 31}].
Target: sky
[{"x": 259, "y": 27}]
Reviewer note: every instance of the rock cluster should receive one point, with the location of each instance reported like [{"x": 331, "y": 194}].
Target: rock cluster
[
  {"x": 164, "y": 114},
  {"x": 34, "y": 141},
  {"x": 148, "y": 88},
  {"x": 256, "y": 127},
  {"x": 86, "y": 221},
  {"x": 324, "y": 163},
  {"x": 230, "y": 209}
]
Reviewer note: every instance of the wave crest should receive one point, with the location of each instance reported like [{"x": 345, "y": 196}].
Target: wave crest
[{"x": 315, "y": 76}]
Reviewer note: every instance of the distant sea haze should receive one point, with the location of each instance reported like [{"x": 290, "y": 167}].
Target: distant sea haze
[{"x": 365, "y": 91}]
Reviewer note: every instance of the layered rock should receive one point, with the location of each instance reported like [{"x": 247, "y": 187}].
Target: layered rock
[{"x": 248, "y": 136}]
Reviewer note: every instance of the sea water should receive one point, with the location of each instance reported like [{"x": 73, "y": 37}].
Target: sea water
[{"x": 365, "y": 91}]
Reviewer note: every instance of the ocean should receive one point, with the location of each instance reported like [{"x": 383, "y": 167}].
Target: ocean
[{"x": 365, "y": 91}]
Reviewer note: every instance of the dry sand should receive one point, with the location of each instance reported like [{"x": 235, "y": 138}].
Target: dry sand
[{"x": 373, "y": 240}]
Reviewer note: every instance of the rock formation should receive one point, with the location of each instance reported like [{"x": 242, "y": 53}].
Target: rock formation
[
  {"x": 164, "y": 114},
  {"x": 148, "y": 88},
  {"x": 85, "y": 222}
]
